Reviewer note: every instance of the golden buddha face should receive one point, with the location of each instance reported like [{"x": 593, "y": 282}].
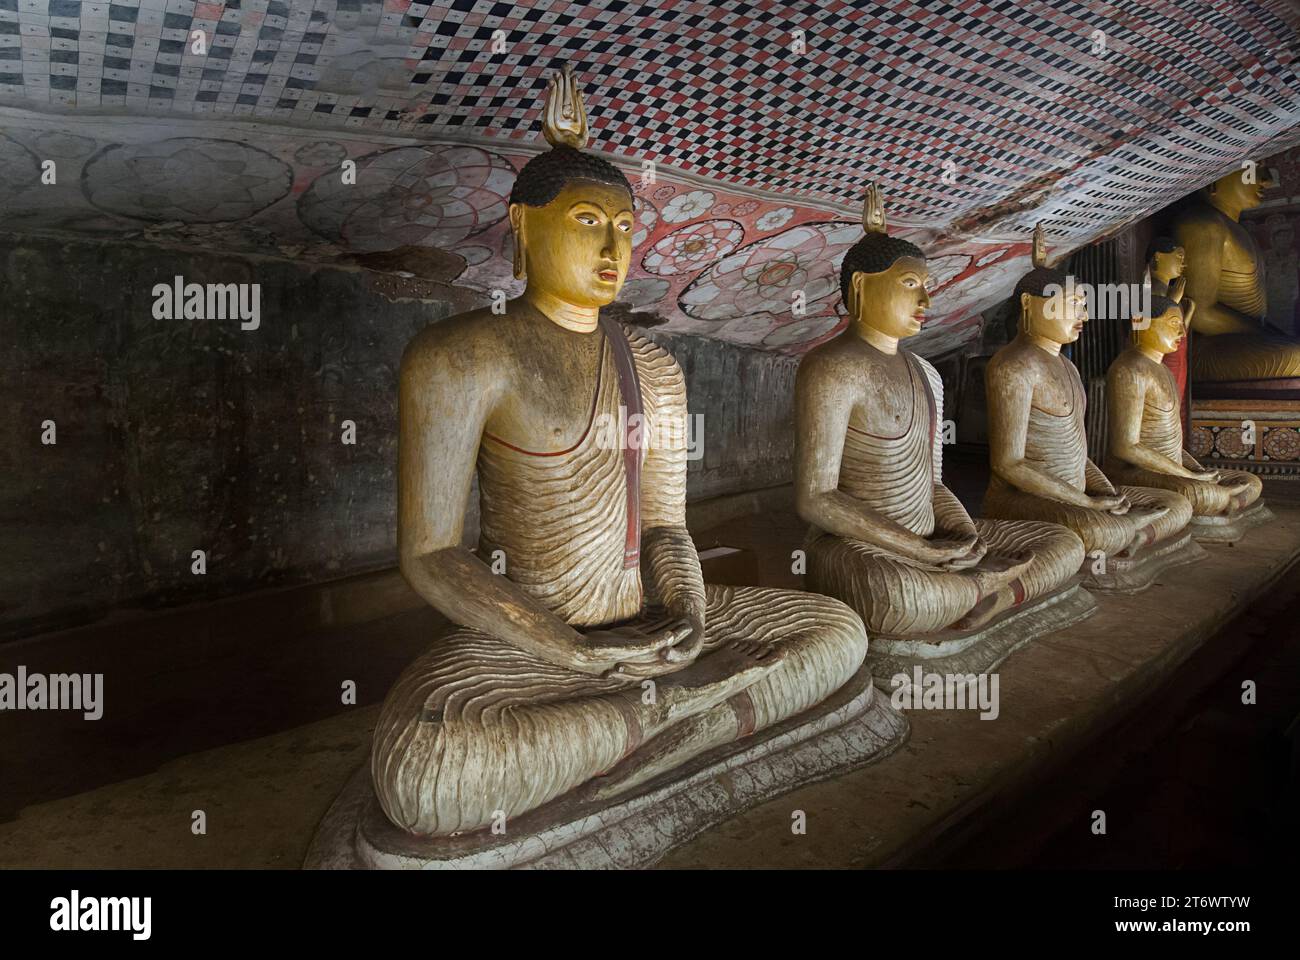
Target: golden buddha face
[
  {"x": 1234, "y": 193},
  {"x": 577, "y": 248},
  {"x": 1166, "y": 266},
  {"x": 1058, "y": 318},
  {"x": 1165, "y": 332},
  {"x": 894, "y": 301}
]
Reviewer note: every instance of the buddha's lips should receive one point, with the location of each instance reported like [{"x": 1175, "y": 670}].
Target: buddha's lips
[{"x": 610, "y": 275}]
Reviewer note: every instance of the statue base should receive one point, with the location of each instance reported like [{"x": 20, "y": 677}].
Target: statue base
[
  {"x": 1230, "y": 529},
  {"x": 1259, "y": 434},
  {"x": 1135, "y": 573},
  {"x": 980, "y": 650},
  {"x": 853, "y": 727}
]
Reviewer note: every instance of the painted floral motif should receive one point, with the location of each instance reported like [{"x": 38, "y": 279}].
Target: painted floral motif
[
  {"x": 643, "y": 291},
  {"x": 1227, "y": 441},
  {"x": 1282, "y": 443},
  {"x": 774, "y": 219},
  {"x": 762, "y": 277},
  {"x": 20, "y": 168},
  {"x": 693, "y": 247},
  {"x": 56, "y": 143},
  {"x": 801, "y": 331},
  {"x": 321, "y": 153},
  {"x": 1201, "y": 442},
  {"x": 156, "y": 181},
  {"x": 425, "y": 196},
  {"x": 647, "y": 217},
  {"x": 688, "y": 206}
]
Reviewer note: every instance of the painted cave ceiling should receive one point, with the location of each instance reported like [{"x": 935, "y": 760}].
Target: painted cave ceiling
[{"x": 978, "y": 117}]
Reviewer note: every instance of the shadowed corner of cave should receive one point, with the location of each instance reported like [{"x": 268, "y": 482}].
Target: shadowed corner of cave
[{"x": 201, "y": 505}]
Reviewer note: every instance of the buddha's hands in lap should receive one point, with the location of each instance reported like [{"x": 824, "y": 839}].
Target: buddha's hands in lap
[
  {"x": 1212, "y": 476},
  {"x": 635, "y": 650},
  {"x": 688, "y": 648},
  {"x": 1145, "y": 515},
  {"x": 1235, "y": 485},
  {"x": 951, "y": 554},
  {"x": 1007, "y": 566},
  {"x": 974, "y": 557},
  {"x": 1116, "y": 504}
]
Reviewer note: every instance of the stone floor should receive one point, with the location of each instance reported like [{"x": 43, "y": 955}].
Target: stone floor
[{"x": 957, "y": 780}]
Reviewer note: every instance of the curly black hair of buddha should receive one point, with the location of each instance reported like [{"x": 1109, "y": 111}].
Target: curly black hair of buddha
[
  {"x": 1160, "y": 305},
  {"x": 1037, "y": 280},
  {"x": 544, "y": 176},
  {"x": 1160, "y": 245},
  {"x": 874, "y": 253}
]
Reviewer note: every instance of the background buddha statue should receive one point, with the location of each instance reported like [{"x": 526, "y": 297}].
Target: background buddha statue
[
  {"x": 1037, "y": 444},
  {"x": 540, "y": 689},
  {"x": 1145, "y": 433},
  {"x": 1225, "y": 278},
  {"x": 1165, "y": 261},
  {"x": 887, "y": 536}
]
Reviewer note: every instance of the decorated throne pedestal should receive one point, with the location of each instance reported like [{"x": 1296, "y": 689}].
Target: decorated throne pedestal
[
  {"x": 853, "y": 727},
  {"x": 1251, "y": 425}
]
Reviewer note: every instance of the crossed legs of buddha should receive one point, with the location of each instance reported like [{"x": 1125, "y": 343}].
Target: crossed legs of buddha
[
  {"x": 475, "y": 728},
  {"x": 899, "y": 598}
]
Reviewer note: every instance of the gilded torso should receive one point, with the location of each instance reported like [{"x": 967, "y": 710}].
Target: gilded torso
[
  {"x": 1241, "y": 278},
  {"x": 553, "y": 483},
  {"x": 1055, "y": 437},
  {"x": 1162, "y": 429},
  {"x": 889, "y": 446}
]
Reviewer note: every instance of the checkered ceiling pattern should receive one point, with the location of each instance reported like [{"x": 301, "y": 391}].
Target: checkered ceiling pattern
[
  {"x": 806, "y": 99},
  {"x": 980, "y": 117}
]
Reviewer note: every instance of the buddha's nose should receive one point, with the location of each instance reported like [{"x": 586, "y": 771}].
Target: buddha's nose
[{"x": 610, "y": 251}]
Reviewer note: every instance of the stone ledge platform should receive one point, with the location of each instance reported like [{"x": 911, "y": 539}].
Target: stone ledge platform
[
  {"x": 1058, "y": 696},
  {"x": 855, "y": 726}
]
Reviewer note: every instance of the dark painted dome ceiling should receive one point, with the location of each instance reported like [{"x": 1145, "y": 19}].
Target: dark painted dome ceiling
[{"x": 763, "y": 121}]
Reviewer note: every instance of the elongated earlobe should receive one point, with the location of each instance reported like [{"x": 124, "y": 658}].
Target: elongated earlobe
[{"x": 517, "y": 230}]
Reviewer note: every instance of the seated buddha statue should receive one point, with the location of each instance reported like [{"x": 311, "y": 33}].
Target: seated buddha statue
[
  {"x": 541, "y": 687},
  {"x": 1225, "y": 278},
  {"x": 1145, "y": 432},
  {"x": 1037, "y": 445},
  {"x": 1165, "y": 261},
  {"x": 887, "y": 537}
]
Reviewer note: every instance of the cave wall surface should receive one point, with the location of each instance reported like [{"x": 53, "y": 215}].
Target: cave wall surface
[{"x": 184, "y": 434}]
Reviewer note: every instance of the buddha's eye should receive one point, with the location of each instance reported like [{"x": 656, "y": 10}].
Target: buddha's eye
[
  {"x": 625, "y": 226},
  {"x": 588, "y": 218}
]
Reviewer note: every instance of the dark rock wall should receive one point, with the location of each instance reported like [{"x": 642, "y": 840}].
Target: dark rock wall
[{"x": 177, "y": 435}]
